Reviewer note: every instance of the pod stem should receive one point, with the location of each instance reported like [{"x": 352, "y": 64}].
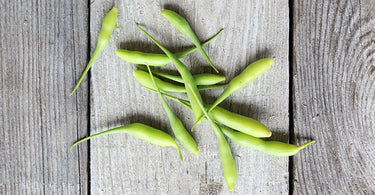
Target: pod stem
[
  {"x": 111, "y": 131},
  {"x": 306, "y": 144},
  {"x": 94, "y": 56},
  {"x": 179, "y": 153}
]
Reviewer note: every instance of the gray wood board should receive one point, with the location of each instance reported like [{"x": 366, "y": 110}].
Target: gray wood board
[
  {"x": 43, "y": 51},
  {"x": 334, "y": 96},
  {"x": 121, "y": 164}
]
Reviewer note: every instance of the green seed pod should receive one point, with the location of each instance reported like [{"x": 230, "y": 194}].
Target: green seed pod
[
  {"x": 109, "y": 23},
  {"x": 145, "y": 79},
  {"x": 208, "y": 79},
  {"x": 200, "y": 79},
  {"x": 241, "y": 123},
  {"x": 141, "y": 131},
  {"x": 250, "y": 73},
  {"x": 227, "y": 160},
  {"x": 275, "y": 148},
  {"x": 151, "y": 59},
  {"x": 137, "y": 57}
]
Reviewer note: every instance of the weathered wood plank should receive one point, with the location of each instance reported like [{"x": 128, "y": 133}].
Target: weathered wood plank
[
  {"x": 43, "y": 50},
  {"x": 334, "y": 96},
  {"x": 121, "y": 164}
]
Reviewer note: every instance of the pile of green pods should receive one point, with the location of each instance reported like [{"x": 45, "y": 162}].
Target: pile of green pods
[{"x": 241, "y": 129}]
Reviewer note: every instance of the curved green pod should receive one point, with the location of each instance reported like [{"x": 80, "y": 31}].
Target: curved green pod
[
  {"x": 183, "y": 26},
  {"x": 275, "y": 148},
  {"x": 109, "y": 23},
  {"x": 239, "y": 122},
  {"x": 250, "y": 73},
  {"x": 208, "y": 79},
  {"x": 141, "y": 131},
  {"x": 152, "y": 59},
  {"x": 145, "y": 79},
  {"x": 138, "y": 57},
  {"x": 227, "y": 160},
  {"x": 200, "y": 79}
]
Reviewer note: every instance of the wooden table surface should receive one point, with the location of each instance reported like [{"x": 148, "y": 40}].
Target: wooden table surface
[{"x": 321, "y": 87}]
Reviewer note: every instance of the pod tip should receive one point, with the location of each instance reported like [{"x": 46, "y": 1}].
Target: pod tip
[
  {"x": 306, "y": 144},
  {"x": 179, "y": 152}
]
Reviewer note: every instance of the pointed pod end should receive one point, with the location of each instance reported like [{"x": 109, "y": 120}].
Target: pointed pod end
[
  {"x": 74, "y": 90},
  {"x": 230, "y": 179},
  {"x": 179, "y": 151},
  {"x": 306, "y": 144},
  {"x": 216, "y": 70},
  {"x": 231, "y": 185},
  {"x": 181, "y": 158}
]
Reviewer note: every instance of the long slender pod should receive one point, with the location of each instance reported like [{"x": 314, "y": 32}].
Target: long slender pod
[
  {"x": 227, "y": 160},
  {"x": 239, "y": 122},
  {"x": 178, "y": 128},
  {"x": 183, "y": 26},
  {"x": 250, "y": 73},
  {"x": 200, "y": 79},
  {"x": 275, "y": 148},
  {"x": 145, "y": 79},
  {"x": 152, "y": 59},
  {"x": 109, "y": 23},
  {"x": 141, "y": 131}
]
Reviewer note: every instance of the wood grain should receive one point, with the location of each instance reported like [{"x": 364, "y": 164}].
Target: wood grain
[
  {"x": 121, "y": 164},
  {"x": 334, "y": 80},
  {"x": 43, "y": 49}
]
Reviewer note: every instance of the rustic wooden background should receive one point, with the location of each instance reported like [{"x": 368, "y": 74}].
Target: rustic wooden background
[{"x": 321, "y": 87}]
